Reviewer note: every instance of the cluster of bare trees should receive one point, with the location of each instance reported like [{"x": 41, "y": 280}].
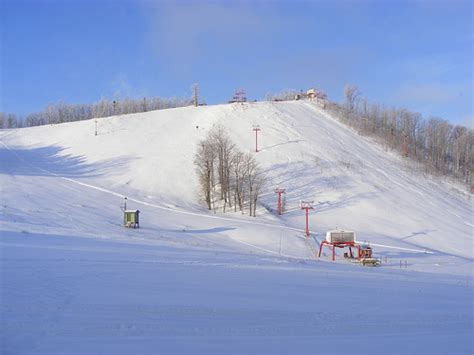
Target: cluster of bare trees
[
  {"x": 289, "y": 95},
  {"x": 442, "y": 147},
  {"x": 227, "y": 177},
  {"x": 284, "y": 95},
  {"x": 10, "y": 120},
  {"x": 62, "y": 112}
]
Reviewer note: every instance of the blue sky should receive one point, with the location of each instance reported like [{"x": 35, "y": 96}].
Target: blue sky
[{"x": 417, "y": 55}]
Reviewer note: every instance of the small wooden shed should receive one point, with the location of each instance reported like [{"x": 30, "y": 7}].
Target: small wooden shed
[{"x": 130, "y": 218}]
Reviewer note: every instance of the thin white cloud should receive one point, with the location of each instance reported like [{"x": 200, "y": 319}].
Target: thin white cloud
[
  {"x": 120, "y": 87},
  {"x": 178, "y": 31}
]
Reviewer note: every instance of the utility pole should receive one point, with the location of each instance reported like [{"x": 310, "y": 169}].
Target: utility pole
[
  {"x": 279, "y": 191},
  {"x": 256, "y": 128},
  {"x": 195, "y": 89},
  {"x": 307, "y": 205}
]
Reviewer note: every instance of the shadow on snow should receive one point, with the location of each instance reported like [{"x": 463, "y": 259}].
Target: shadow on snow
[{"x": 46, "y": 161}]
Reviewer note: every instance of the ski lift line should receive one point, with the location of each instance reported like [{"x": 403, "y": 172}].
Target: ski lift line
[{"x": 400, "y": 248}]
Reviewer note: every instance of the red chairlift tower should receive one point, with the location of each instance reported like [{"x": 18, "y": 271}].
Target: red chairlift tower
[
  {"x": 279, "y": 191},
  {"x": 307, "y": 205},
  {"x": 256, "y": 128},
  {"x": 239, "y": 96}
]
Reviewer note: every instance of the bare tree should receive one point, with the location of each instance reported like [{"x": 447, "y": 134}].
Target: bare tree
[
  {"x": 61, "y": 112},
  {"x": 238, "y": 175},
  {"x": 352, "y": 93},
  {"x": 204, "y": 161},
  {"x": 435, "y": 143},
  {"x": 224, "y": 150},
  {"x": 253, "y": 181},
  {"x": 195, "y": 90}
]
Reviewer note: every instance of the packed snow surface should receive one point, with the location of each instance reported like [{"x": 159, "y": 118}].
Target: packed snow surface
[{"x": 73, "y": 280}]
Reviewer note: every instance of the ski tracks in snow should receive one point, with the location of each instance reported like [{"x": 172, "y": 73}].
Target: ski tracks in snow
[{"x": 169, "y": 209}]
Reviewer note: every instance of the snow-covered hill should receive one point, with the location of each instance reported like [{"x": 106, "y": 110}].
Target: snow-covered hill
[
  {"x": 355, "y": 184},
  {"x": 62, "y": 187}
]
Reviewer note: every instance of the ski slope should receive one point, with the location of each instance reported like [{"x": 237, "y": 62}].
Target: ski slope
[{"x": 191, "y": 281}]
